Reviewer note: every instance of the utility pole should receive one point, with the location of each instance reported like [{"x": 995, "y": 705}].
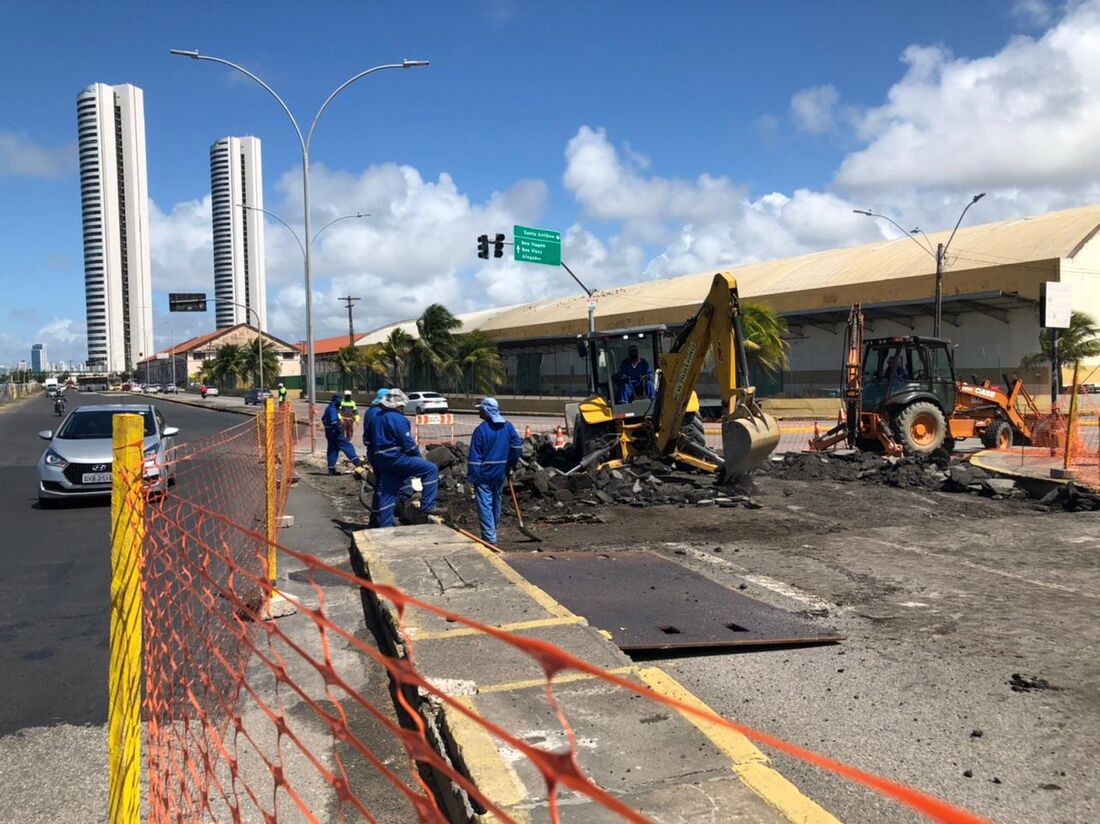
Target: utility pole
[
  {"x": 350, "y": 301},
  {"x": 939, "y": 290}
]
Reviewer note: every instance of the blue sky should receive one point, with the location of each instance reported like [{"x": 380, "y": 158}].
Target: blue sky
[{"x": 660, "y": 139}]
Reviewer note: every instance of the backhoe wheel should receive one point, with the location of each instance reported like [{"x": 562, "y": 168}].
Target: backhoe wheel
[
  {"x": 589, "y": 438},
  {"x": 998, "y": 435},
  {"x": 921, "y": 428}
]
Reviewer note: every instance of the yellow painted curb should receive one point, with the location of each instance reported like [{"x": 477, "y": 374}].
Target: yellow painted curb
[
  {"x": 485, "y": 766},
  {"x": 749, "y": 763}
]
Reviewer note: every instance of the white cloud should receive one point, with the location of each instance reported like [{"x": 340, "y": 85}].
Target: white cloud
[
  {"x": 1025, "y": 117},
  {"x": 814, "y": 109},
  {"x": 22, "y": 157},
  {"x": 675, "y": 226},
  {"x": 1033, "y": 12},
  {"x": 181, "y": 248}
]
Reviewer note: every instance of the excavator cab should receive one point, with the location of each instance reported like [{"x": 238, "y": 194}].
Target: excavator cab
[
  {"x": 899, "y": 370},
  {"x": 606, "y": 352}
]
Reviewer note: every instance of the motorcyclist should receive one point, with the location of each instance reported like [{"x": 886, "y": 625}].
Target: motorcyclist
[{"x": 59, "y": 405}]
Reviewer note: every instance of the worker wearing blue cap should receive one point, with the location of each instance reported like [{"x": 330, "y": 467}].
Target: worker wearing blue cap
[{"x": 495, "y": 449}]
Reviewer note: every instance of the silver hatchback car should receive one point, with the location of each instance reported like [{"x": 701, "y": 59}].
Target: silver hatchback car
[{"x": 77, "y": 463}]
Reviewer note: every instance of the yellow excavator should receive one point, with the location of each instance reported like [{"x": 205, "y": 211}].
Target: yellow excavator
[{"x": 611, "y": 427}]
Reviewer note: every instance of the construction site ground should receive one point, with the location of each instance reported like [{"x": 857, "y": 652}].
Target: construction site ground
[{"x": 969, "y": 670}]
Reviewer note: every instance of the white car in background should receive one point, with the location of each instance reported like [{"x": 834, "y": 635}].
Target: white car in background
[{"x": 425, "y": 403}]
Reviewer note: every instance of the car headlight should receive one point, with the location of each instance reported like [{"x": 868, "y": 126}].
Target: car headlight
[{"x": 55, "y": 460}]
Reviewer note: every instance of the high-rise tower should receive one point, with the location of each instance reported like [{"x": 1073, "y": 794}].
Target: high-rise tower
[
  {"x": 236, "y": 181},
  {"x": 114, "y": 200}
]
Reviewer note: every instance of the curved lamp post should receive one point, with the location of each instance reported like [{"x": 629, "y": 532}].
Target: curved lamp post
[
  {"x": 305, "y": 142},
  {"x": 938, "y": 253}
]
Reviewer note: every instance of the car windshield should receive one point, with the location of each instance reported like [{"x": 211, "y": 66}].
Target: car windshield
[
  {"x": 431, "y": 395},
  {"x": 96, "y": 424}
]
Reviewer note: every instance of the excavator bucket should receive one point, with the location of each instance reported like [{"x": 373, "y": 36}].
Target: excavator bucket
[{"x": 749, "y": 435}]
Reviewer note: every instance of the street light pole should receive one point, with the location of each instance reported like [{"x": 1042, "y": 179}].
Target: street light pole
[
  {"x": 305, "y": 143},
  {"x": 939, "y": 254}
]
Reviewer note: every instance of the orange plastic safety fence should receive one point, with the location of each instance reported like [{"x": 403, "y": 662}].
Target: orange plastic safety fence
[{"x": 251, "y": 719}]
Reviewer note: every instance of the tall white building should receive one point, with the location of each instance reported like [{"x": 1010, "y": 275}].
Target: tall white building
[
  {"x": 114, "y": 200},
  {"x": 236, "y": 180}
]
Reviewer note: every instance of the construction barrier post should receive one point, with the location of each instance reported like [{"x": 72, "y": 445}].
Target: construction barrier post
[
  {"x": 1072, "y": 418},
  {"x": 269, "y": 486},
  {"x": 124, "y": 679}
]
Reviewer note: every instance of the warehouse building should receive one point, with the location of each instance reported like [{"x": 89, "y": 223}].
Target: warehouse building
[{"x": 993, "y": 276}]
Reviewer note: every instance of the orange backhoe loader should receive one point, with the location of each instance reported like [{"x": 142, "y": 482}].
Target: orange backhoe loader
[{"x": 901, "y": 395}]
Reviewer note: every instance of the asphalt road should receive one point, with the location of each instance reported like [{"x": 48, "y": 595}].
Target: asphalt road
[
  {"x": 970, "y": 668},
  {"x": 56, "y": 573}
]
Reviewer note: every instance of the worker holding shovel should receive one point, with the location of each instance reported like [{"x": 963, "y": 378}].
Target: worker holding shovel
[{"x": 495, "y": 449}]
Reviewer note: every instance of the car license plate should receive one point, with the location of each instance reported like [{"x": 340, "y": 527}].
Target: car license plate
[{"x": 95, "y": 478}]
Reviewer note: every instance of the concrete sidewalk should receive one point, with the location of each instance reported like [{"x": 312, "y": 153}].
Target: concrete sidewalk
[{"x": 668, "y": 766}]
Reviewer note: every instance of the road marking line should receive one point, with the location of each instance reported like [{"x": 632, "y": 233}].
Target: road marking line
[
  {"x": 749, "y": 763},
  {"x": 930, "y": 554},
  {"x": 558, "y": 679},
  {"x": 460, "y": 632},
  {"x": 764, "y": 581}
]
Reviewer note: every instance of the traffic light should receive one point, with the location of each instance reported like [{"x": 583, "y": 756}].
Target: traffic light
[
  {"x": 483, "y": 246},
  {"x": 498, "y": 246}
]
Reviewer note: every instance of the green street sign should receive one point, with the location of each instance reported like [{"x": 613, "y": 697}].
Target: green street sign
[{"x": 537, "y": 245}]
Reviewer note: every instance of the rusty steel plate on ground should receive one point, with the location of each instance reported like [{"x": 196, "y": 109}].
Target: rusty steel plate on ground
[{"x": 648, "y": 602}]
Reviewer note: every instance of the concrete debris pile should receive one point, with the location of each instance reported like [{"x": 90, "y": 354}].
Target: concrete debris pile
[
  {"x": 547, "y": 493},
  {"x": 938, "y": 472}
]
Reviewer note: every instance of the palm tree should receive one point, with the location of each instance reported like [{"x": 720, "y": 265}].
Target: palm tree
[
  {"x": 250, "y": 362},
  {"x": 432, "y": 356},
  {"x": 228, "y": 364},
  {"x": 765, "y": 343},
  {"x": 348, "y": 362},
  {"x": 1079, "y": 341},
  {"x": 372, "y": 363},
  {"x": 395, "y": 351},
  {"x": 477, "y": 362}
]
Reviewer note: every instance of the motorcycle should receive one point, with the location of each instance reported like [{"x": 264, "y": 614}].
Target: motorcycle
[{"x": 59, "y": 406}]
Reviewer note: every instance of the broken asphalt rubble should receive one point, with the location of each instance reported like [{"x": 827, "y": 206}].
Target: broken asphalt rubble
[{"x": 548, "y": 494}]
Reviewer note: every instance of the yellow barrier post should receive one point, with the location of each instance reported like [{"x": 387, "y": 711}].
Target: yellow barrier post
[
  {"x": 269, "y": 485},
  {"x": 124, "y": 710},
  {"x": 1072, "y": 419}
]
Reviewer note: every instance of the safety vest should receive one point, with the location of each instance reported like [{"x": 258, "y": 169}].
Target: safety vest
[
  {"x": 282, "y": 394},
  {"x": 348, "y": 409}
]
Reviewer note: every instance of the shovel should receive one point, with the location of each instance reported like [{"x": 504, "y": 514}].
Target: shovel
[{"x": 519, "y": 516}]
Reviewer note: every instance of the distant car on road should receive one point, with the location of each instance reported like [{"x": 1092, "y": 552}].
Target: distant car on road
[
  {"x": 171, "y": 388},
  {"x": 154, "y": 389},
  {"x": 77, "y": 463},
  {"x": 425, "y": 402},
  {"x": 256, "y": 396},
  {"x": 211, "y": 391}
]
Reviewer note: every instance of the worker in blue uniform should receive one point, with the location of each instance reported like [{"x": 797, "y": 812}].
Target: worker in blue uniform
[
  {"x": 635, "y": 377},
  {"x": 406, "y": 491},
  {"x": 397, "y": 460},
  {"x": 334, "y": 434},
  {"x": 495, "y": 449}
]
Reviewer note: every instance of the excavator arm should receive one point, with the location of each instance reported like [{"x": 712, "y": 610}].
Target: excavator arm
[{"x": 748, "y": 434}]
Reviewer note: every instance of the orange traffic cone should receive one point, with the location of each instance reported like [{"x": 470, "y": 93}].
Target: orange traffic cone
[
  {"x": 817, "y": 430},
  {"x": 841, "y": 417},
  {"x": 527, "y": 432},
  {"x": 559, "y": 438}
]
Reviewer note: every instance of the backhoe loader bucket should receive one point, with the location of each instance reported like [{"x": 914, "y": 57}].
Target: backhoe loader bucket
[{"x": 749, "y": 436}]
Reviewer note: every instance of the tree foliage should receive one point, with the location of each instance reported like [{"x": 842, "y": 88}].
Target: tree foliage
[
  {"x": 1081, "y": 340},
  {"x": 765, "y": 337},
  {"x": 250, "y": 362}
]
